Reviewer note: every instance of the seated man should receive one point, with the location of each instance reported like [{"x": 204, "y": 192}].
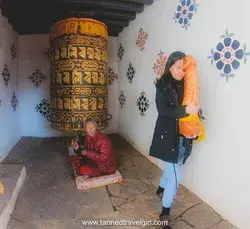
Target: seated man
[{"x": 97, "y": 154}]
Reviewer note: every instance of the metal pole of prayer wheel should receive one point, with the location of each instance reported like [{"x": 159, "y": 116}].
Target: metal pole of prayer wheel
[{"x": 78, "y": 72}]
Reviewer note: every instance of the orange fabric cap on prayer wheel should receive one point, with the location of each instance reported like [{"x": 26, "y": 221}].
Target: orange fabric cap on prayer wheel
[{"x": 191, "y": 126}]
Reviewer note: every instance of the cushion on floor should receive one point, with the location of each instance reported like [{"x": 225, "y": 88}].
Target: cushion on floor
[{"x": 96, "y": 182}]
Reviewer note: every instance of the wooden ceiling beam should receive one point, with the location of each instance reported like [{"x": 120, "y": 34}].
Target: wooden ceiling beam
[
  {"x": 36, "y": 16},
  {"x": 64, "y": 11},
  {"x": 108, "y": 4},
  {"x": 145, "y": 2},
  {"x": 99, "y": 13},
  {"x": 49, "y": 21},
  {"x": 44, "y": 26},
  {"x": 48, "y": 24},
  {"x": 102, "y": 4}
]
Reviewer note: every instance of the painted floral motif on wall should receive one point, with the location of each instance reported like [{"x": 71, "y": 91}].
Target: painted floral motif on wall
[
  {"x": 14, "y": 101},
  {"x": 185, "y": 12},
  {"x": 228, "y": 55},
  {"x": 141, "y": 39},
  {"x": 130, "y": 73},
  {"x": 160, "y": 63},
  {"x": 122, "y": 99},
  {"x": 6, "y": 75},
  {"x": 121, "y": 51},
  {"x": 112, "y": 76},
  {"x": 37, "y": 77},
  {"x": 13, "y": 50},
  {"x": 44, "y": 108},
  {"x": 142, "y": 103}
]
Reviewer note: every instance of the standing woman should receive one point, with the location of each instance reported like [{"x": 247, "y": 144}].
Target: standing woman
[{"x": 167, "y": 144}]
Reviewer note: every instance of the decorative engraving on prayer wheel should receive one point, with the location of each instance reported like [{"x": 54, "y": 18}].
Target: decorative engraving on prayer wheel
[{"x": 79, "y": 70}]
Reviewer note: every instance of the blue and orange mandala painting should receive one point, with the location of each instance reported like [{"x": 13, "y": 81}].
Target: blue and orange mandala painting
[
  {"x": 228, "y": 55},
  {"x": 185, "y": 12}
]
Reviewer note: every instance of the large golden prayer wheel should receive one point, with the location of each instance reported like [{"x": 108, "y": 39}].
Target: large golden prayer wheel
[{"x": 79, "y": 71}]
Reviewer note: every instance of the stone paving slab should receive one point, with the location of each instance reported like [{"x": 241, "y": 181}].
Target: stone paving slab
[
  {"x": 52, "y": 224},
  {"x": 116, "y": 201},
  {"x": 125, "y": 162},
  {"x": 28, "y": 205},
  {"x": 181, "y": 225},
  {"x": 2, "y": 206},
  {"x": 16, "y": 224},
  {"x": 150, "y": 173},
  {"x": 52, "y": 178},
  {"x": 141, "y": 161},
  {"x": 177, "y": 210},
  {"x": 132, "y": 187},
  {"x": 37, "y": 204},
  {"x": 186, "y": 198},
  {"x": 50, "y": 199},
  {"x": 5, "y": 197},
  {"x": 9, "y": 183},
  {"x": 13, "y": 176},
  {"x": 10, "y": 168},
  {"x": 201, "y": 216},
  {"x": 58, "y": 204},
  {"x": 223, "y": 225},
  {"x": 22, "y": 151}
]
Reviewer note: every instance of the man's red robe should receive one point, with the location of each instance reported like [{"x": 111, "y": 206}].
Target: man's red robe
[{"x": 99, "y": 158}]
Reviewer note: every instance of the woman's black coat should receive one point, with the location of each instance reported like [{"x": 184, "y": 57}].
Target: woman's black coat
[{"x": 165, "y": 143}]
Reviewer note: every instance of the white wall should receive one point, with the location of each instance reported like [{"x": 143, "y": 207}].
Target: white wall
[
  {"x": 31, "y": 58},
  {"x": 218, "y": 168},
  {"x": 9, "y": 118},
  {"x": 113, "y": 103},
  {"x": 32, "y": 48}
]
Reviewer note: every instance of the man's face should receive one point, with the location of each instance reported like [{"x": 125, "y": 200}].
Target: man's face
[{"x": 90, "y": 128}]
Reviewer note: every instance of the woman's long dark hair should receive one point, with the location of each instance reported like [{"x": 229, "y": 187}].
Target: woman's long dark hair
[{"x": 167, "y": 77}]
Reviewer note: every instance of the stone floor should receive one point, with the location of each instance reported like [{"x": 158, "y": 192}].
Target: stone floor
[{"x": 49, "y": 198}]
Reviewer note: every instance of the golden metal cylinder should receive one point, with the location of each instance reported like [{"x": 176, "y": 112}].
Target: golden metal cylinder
[{"x": 79, "y": 70}]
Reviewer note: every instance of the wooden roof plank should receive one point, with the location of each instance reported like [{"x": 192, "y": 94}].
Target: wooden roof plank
[
  {"x": 36, "y": 16},
  {"x": 145, "y": 2}
]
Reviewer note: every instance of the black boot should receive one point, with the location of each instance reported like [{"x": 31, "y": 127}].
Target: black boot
[
  {"x": 167, "y": 227},
  {"x": 165, "y": 211},
  {"x": 160, "y": 191},
  {"x": 164, "y": 217}
]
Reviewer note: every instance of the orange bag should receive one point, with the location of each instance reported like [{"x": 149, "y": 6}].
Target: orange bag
[
  {"x": 1, "y": 188},
  {"x": 191, "y": 126}
]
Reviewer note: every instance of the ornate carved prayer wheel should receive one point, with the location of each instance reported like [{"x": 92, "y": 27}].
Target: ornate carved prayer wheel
[{"x": 79, "y": 70}]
